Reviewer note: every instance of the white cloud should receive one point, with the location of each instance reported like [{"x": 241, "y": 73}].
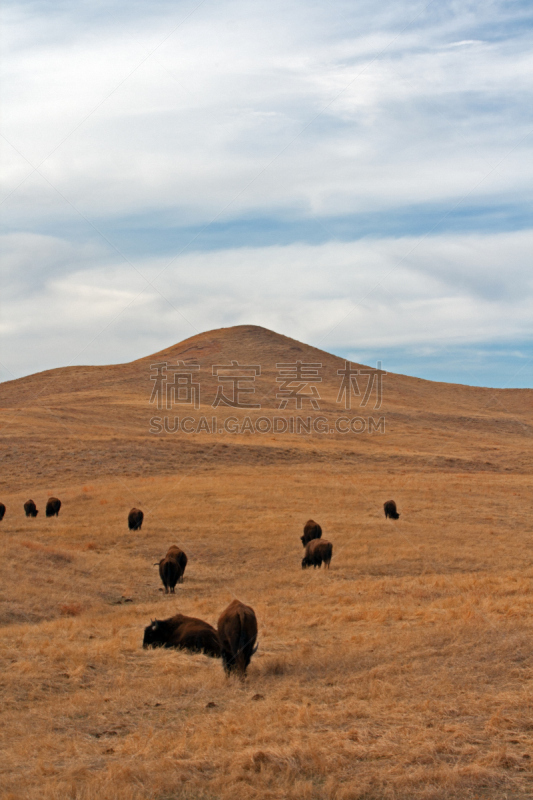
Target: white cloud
[
  {"x": 176, "y": 114},
  {"x": 342, "y": 121},
  {"x": 372, "y": 293}
]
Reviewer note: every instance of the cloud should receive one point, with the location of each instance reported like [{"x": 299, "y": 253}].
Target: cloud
[
  {"x": 356, "y": 296},
  {"x": 242, "y": 111},
  {"x": 289, "y": 155}
]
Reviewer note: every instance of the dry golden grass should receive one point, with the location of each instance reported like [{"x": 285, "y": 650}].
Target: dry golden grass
[{"x": 406, "y": 671}]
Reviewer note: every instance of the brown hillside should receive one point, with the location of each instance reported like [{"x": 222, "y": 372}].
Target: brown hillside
[
  {"x": 404, "y": 672},
  {"x": 96, "y": 420}
]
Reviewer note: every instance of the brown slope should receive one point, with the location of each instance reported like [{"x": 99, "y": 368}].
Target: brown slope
[
  {"x": 91, "y": 421},
  {"x": 252, "y": 344}
]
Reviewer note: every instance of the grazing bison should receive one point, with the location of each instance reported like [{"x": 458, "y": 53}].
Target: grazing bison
[
  {"x": 2, "y": 511},
  {"x": 178, "y": 554},
  {"x": 30, "y": 508},
  {"x": 52, "y": 507},
  {"x": 185, "y": 633},
  {"x": 390, "y": 509},
  {"x": 237, "y": 632},
  {"x": 172, "y": 567},
  {"x": 312, "y": 530},
  {"x": 316, "y": 552},
  {"x": 135, "y": 519}
]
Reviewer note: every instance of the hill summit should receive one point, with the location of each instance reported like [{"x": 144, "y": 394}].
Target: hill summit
[{"x": 246, "y": 343}]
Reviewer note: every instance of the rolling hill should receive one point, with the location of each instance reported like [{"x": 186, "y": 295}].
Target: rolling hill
[
  {"x": 404, "y": 671},
  {"x": 93, "y": 421}
]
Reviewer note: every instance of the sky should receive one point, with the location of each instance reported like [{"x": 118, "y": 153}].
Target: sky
[{"x": 356, "y": 175}]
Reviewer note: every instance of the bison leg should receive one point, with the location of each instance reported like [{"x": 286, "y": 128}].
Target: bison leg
[{"x": 228, "y": 662}]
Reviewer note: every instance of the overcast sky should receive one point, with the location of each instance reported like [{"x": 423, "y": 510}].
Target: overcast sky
[{"x": 357, "y": 175}]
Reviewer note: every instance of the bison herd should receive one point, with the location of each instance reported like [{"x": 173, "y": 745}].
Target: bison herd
[
  {"x": 234, "y": 640},
  {"x": 312, "y": 529},
  {"x": 52, "y": 508},
  {"x": 317, "y": 550}
]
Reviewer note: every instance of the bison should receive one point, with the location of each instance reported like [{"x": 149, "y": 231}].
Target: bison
[
  {"x": 312, "y": 530},
  {"x": 390, "y": 509},
  {"x": 177, "y": 553},
  {"x": 172, "y": 567},
  {"x": 237, "y": 632},
  {"x": 316, "y": 552},
  {"x": 184, "y": 633},
  {"x": 2, "y": 511},
  {"x": 135, "y": 519},
  {"x": 30, "y": 508},
  {"x": 52, "y": 507}
]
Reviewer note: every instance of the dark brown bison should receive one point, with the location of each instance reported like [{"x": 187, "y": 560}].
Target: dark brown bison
[
  {"x": 30, "y": 508},
  {"x": 177, "y": 553},
  {"x": 52, "y": 507},
  {"x": 185, "y": 633},
  {"x": 172, "y": 567},
  {"x": 2, "y": 511},
  {"x": 135, "y": 519},
  {"x": 312, "y": 530},
  {"x": 237, "y": 632},
  {"x": 390, "y": 509},
  {"x": 316, "y": 552}
]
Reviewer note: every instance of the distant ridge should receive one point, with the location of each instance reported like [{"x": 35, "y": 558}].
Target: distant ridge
[
  {"x": 254, "y": 345},
  {"x": 82, "y": 423}
]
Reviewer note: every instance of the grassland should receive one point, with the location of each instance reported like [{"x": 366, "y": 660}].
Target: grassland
[{"x": 406, "y": 671}]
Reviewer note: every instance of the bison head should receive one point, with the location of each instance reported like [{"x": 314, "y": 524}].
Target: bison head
[
  {"x": 153, "y": 635},
  {"x": 305, "y": 562}
]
